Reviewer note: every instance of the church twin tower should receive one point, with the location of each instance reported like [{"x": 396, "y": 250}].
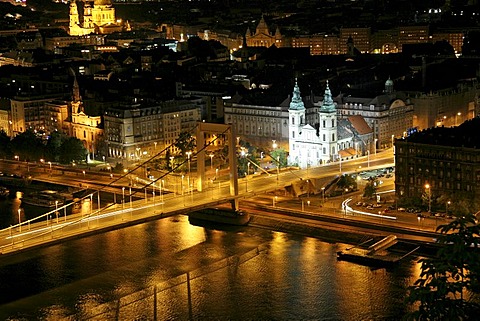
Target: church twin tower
[{"x": 306, "y": 147}]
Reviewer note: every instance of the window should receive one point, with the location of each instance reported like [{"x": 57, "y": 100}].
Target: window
[
  {"x": 333, "y": 136},
  {"x": 293, "y": 134},
  {"x": 324, "y": 138},
  {"x": 333, "y": 122},
  {"x": 324, "y": 124},
  {"x": 293, "y": 120}
]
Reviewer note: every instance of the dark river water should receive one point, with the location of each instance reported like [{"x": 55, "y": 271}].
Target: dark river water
[{"x": 172, "y": 270}]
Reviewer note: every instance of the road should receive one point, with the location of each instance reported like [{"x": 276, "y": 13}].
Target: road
[{"x": 261, "y": 188}]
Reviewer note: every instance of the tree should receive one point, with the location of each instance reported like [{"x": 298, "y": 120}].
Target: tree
[
  {"x": 347, "y": 181},
  {"x": 185, "y": 142},
  {"x": 72, "y": 149},
  {"x": 28, "y": 146},
  {"x": 370, "y": 188},
  {"x": 52, "y": 149},
  {"x": 281, "y": 155},
  {"x": 448, "y": 282},
  {"x": 5, "y": 145}
]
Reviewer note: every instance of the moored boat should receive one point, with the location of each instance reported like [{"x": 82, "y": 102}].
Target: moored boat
[
  {"x": 47, "y": 198},
  {"x": 221, "y": 215}
]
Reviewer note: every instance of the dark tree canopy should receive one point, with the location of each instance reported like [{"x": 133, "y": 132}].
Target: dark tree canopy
[
  {"x": 449, "y": 284},
  {"x": 28, "y": 146},
  {"x": 72, "y": 149}
]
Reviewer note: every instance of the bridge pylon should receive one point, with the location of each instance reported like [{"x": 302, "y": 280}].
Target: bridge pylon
[{"x": 227, "y": 130}]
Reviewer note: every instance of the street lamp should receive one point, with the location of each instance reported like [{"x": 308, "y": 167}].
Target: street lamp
[
  {"x": 56, "y": 209},
  {"x": 323, "y": 195},
  {"x": 19, "y": 219},
  {"x": 16, "y": 157},
  {"x": 274, "y": 144},
  {"x": 130, "y": 195},
  {"x": 278, "y": 166},
  {"x": 458, "y": 114},
  {"x": 91, "y": 203},
  {"x": 246, "y": 177},
  {"x": 429, "y": 195},
  {"x": 188, "y": 156},
  {"x": 344, "y": 201},
  {"x": 83, "y": 174},
  {"x": 123, "y": 197},
  {"x": 446, "y": 207},
  {"x": 211, "y": 161},
  {"x": 375, "y": 145}
]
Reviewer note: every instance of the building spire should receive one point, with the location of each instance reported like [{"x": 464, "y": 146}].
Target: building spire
[
  {"x": 328, "y": 104},
  {"x": 296, "y": 103}
]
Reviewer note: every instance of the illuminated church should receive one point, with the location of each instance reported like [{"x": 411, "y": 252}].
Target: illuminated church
[{"x": 97, "y": 17}]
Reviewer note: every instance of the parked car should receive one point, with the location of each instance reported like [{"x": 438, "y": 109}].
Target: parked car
[{"x": 401, "y": 209}]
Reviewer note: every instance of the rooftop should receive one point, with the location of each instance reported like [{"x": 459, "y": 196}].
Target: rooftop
[{"x": 465, "y": 135}]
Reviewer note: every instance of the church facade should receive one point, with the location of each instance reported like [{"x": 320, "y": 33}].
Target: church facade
[
  {"x": 262, "y": 37},
  {"x": 97, "y": 17},
  {"x": 329, "y": 140}
]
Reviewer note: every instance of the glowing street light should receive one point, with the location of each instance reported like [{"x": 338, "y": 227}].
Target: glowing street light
[
  {"x": 429, "y": 195},
  {"x": 211, "y": 161},
  {"x": 19, "y": 219},
  {"x": 56, "y": 209},
  {"x": 344, "y": 201},
  {"x": 188, "y": 179},
  {"x": 123, "y": 197},
  {"x": 83, "y": 174}
]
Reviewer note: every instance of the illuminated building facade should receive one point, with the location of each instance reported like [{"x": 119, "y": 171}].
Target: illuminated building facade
[
  {"x": 98, "y": 17},
  {"x": 447, "y": 159},
  {"x": 134, "y": 131},
  {"x": 263, "y": 37},
  {"x": 389, "y": 114}
]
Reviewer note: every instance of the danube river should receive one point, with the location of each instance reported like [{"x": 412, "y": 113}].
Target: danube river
[{"x": 173, "y": 270}]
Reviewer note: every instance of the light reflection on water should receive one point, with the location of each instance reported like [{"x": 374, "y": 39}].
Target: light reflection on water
[{"x": 114, "y": 274}]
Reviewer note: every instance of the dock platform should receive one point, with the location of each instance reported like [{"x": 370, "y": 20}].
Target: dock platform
[{"x": 375, "y": 255}]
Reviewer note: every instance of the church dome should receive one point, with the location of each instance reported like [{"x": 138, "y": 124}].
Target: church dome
[
  {"x": 389, "y": 82},
  {"x": 102, "y": 2}
]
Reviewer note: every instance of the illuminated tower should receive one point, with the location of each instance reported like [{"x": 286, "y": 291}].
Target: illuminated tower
[
  {"x": 328, "y": 124},
  {"x": 74, "y": 18},
  {"x": 87, "y": 16},
  {"x": 296, "y": 114}
]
